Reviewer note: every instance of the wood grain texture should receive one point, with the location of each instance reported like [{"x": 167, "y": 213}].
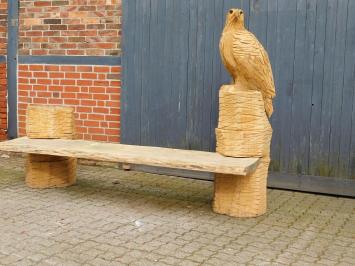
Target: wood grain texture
[
  {"x": 324, "y": 168},
  {"x": 317, "y": 162},
  {"x": 243, "y": 130},
  {"x": 154, "y": 156},
  {"x": 50, "y": 122},
  {"x": 240, "y": 109},
  {"x": 339, "y": 88},
  {"x": 303, "y": 71},
  {"x": 43, "y": 171},
  {"x": 243, "y": 127},
  {"x": 347, "y": 152},
  {"x": 239, "y": 196},
  {"x": 246, "y": 59},
  {"x": 244, "y": 197}
]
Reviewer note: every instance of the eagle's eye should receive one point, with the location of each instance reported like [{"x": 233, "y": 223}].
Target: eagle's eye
[{"x": 231, "y": 11}]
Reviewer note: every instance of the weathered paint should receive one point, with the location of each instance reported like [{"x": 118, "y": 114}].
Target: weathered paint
[{"x": 172, "y": 74}]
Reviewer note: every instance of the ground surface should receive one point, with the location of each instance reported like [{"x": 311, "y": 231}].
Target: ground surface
[{"x": 116, "y": 218}]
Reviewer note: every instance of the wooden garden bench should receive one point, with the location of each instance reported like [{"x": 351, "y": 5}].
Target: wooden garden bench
[
  {"x": 45, "y": 163},
  {"x": 240, "y": 164},
  {"x": 131, "y": 154}
]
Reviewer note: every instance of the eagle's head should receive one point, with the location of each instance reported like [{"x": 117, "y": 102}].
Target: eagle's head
[{"x": 235, "y": 18}]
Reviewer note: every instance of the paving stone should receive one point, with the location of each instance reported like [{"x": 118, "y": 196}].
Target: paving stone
[
  {"x": 302, "y": 263},
  {"x": 113, "y": 217}
]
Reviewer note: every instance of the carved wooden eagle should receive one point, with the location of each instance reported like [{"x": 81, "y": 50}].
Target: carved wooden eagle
[{"x": 246, "y": 59}]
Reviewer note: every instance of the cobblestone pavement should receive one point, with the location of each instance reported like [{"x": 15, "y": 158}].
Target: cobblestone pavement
[{"x": 113, "y": 217}]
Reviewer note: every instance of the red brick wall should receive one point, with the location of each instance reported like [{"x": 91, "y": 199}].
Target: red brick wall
[
  {"x": 3, "y": 88},
  {"x": 3, "y": 27},
  {"x": 70, "y": 27},
  {"x": 94, "y": 92}
]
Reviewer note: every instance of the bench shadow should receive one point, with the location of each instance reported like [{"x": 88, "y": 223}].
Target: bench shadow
[{"x": 115, "y": 186}]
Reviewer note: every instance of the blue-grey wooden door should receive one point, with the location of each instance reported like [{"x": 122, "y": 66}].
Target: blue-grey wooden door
[{"x": 172, "y": 73}]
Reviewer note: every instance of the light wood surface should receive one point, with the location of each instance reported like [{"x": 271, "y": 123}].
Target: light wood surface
[
  {"x": 50, "y": 122},
  {"x": 240, "y": 109},
  {"x": 242, "y": 196},
  {"x": 245, "y": 143},
  {"x": 244, "y": 131},
  {"x": 43, "y": 171},
  {"x": 243, "y": 126},
  {"x": 246, "y": 59},
  {"x": 154, "y": 156}
]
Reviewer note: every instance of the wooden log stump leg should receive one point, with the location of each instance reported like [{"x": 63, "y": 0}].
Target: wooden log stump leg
[
  {"x": 242, "y": 196},
  {"x": 43, "y": 171}
]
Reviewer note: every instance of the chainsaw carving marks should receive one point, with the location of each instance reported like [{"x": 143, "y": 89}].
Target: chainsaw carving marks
[
  {"x": 246, "y": 59},
  {"x": 243, "y": 128}
]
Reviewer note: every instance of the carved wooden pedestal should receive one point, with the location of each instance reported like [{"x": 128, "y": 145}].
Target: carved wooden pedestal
[
  {"x": 243, "y": 131},
  {"x": 50, "y": 122},
  {"x": 43, "y": 171}
]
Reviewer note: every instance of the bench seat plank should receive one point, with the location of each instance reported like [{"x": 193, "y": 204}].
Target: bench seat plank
[{"x": 131, "y": 154}]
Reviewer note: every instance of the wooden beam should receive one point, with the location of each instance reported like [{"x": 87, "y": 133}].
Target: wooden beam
[{"x": 143, "y": 155}]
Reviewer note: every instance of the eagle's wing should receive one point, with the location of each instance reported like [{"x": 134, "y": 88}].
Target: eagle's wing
[
  {"x": 254, "y": 62},
  {"x": 222, "y": 50}
]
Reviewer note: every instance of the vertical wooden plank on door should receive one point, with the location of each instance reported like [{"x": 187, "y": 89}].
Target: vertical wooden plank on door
[
  {"x": 317, "y": 88},
  {"x": 302, "y": 87},
  {"x": 258, "y": 20},
  {"x": 297, "y": 140},
  {"x": 180, "y": 71},
  {"x": 125, "y": 69},
  {"x": 12, "y": 29},
  {"x": 304, "y": 102},
  {"x": 200, "y": 63},
  {"x": 286, "y": 37},
  {"x": 207, "y": 80},
  {"x": 146, "y": 73},
  {"x": 324, "y": 169},
  {"x": 164, "y": 122},
  {"x": 131, "y": 93},
  {"x": 347, "y": 152},
  {"x": 192, "y": 107},
  {"x": 166, "y": 116},
  {"x": 337, "y": 88},
  {"x": 351, "y": 81},
  {"x": 272, "y": 45},
  {"x": 218, "y": 23},
  {"x": 352, "y": 149},
  {"x": 153, "y": 87},
  {"x": 196, "y": 98}
]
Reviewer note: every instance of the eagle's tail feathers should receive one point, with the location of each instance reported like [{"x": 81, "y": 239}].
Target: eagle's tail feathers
[{"x": 269, "y": 109}]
